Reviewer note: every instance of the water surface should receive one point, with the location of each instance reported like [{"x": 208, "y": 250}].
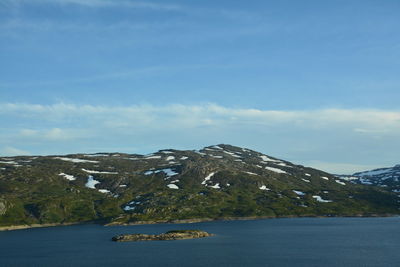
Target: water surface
[{"x": 270, "y": 242}]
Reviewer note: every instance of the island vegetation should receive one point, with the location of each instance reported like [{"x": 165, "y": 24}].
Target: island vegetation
[{"x": 170, "y": 235}]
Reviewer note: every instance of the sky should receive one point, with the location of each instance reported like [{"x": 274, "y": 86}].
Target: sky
[{"x": 313, "y": 82}]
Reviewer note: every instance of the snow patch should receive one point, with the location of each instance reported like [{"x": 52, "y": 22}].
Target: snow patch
[
  {"x": 98, "y": 172},
  {"x": 183, "y": 158},
  {"x": 76, "y": 160},
  {"x": 208, "y": 177},
  {"x": 265, "y": 158},
  {"x": 375, "y": 172},
  {"x": 168, "y": 172},
  {"x": 9, "y": 162},
  {"x": 153, "y": 157},
  {"x": 325, "y": 178},
  {"x": 319, "y": 199},
  {"x": 340, "y": 182},
  {"x": 68, "y": 177},
  {"x": 104, "y": 191},
  {"x": 305, "y": 180},
  {"x": 91, "y": 183},
  {"x": 215, "y": 186},
  {"x": 252, "y": 173},
  {"x": 299, "y": 193},
  {"x": 263, "y": 187},
  {"x": 173, "y": 186},
  {"x": 275, "y": 170},
  {"x": 170, "y": 158}
]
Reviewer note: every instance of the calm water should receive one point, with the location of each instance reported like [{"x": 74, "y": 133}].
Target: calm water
[{"x": 274, "y": 242}]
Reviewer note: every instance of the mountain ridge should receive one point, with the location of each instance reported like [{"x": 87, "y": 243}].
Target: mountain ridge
[{"x": 220, "y": 181}]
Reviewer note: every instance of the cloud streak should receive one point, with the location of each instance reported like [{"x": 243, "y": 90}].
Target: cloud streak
[
  {"x": 99, "y": 4},
  {"x": 336, "y": 139}
]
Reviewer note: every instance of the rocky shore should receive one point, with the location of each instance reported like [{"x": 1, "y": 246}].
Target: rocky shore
[{"x": 170, "y": 235}]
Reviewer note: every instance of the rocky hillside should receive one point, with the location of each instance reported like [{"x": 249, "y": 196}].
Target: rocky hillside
[
  {"x": 215, "y": 182},
  {"x": 384, "y": 177}
]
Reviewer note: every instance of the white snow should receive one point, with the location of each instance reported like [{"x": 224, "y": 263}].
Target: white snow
[
  {"x": 76, "y": 160},
  {"x": 98, "y": 172},
  {"x": 284, "y": 164},
  {"x": 184, "y": 158},
  {"x": 324, "y": 177},
  {"x": 319, "y": 199},
  {"x": 122, "y": 185},
  {"x": 307, "y": 174},
  {"x": 365, "y": 181},
  {"x": 231, "y": 153},
  {"x": 132, "y": 158},
  {"x": 173, "y": 186},
  {"x": 215, "y": 186},
  {"x": 275, "y": 170},
  {"x": 167, "y": 152},
  {"x": 170, "y": 158},
  {"x": 228, "y": 184},
  {"x": 208, "y": 178},
  {"x": 128, "y": 208},
  {"x": 218, "y": 147},
  {"x": 265, "y": 158},
  {"x": 299, "y": 193},
  {"x": 252, "y": 173},
  {"x": 349, "y": 178},
  {"x": 217, "y": 157},
  {"x": 168, "y": 172},
  {"x": 263, "y": 187},
  {"x": 9, "y": 162},
  {"x": 153, "y": 157},
  {"x": 340, "y": 182},
  {"x": 96, "y": 155},
  {"x": 105, "y": 191},
  {"x": 91, "y": 183},
  {"x": 305, "y": 180},
  {"x": 68, "y": 177},
  {"x": 258, "y": 166},
  {"x": 375, "y": 172}
]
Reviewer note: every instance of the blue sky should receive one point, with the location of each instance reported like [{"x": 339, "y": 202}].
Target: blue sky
[{"x": 314, "y": 82}]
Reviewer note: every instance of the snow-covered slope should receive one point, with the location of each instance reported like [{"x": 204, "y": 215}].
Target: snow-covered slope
[{"x": 384, "y": 177}]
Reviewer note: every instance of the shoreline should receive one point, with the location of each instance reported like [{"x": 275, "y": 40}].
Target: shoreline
[{"x": 183, "y": 221}]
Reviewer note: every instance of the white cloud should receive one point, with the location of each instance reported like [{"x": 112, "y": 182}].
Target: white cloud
[
  {"x": 320, "y": 138},
  {"x": 99, "y": 3}
]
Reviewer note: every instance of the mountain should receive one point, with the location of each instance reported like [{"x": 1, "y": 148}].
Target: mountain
[
  {"x": 221, "y": 181},
  {"x": 383, "y": 177}
]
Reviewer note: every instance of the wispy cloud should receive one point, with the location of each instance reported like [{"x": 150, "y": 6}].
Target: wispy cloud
[
  {"x": 328, "y": 138},
  {"x": 98, "y": 3}
]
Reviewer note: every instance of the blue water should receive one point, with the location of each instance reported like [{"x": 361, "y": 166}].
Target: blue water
[{"x": 273, "y": 242}]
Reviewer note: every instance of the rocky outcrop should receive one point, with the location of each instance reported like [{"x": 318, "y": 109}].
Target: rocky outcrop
[{"x": 170, "y": 235}]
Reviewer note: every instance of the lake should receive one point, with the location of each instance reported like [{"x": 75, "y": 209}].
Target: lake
[{"x": 269, "y": 242}]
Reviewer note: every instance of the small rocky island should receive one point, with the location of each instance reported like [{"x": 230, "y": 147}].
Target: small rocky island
[{"x": 170, "y": 235}]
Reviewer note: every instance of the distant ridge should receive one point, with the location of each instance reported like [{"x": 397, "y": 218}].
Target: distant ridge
[{"x": 216, "y": 182}]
